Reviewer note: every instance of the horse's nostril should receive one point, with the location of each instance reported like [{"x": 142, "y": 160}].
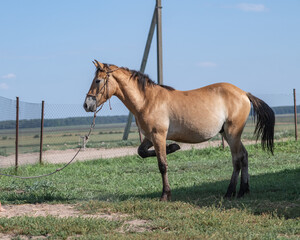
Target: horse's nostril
[{"x": 85, "y": 106}]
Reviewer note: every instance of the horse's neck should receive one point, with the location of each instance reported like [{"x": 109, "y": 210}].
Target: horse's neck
[{"x": 129, "y": 93}]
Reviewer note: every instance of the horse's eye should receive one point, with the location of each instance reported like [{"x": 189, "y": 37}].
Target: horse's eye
[{"x": 98, "y": 80}]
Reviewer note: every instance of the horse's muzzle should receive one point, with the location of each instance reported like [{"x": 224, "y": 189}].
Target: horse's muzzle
[{"x": 90, "y": 104}]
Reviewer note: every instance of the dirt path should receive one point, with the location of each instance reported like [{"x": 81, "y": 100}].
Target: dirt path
[
  {"x": 65, "y": 156},
  {"x": 56, "y": 210}
]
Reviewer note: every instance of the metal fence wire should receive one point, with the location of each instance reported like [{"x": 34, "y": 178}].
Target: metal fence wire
[
  {"x": 7, "y": 126},
  {"x": 29, "y": 130},
  {"x": 65, "y": 127}
]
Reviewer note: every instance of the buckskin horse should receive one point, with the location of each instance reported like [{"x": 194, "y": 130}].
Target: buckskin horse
[{"x": 163, "y": 113}]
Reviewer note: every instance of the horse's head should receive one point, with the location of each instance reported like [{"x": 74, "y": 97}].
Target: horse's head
[{"x": 102, "y": 87}]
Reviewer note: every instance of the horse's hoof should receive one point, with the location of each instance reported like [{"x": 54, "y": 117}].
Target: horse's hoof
[
  {"x": 242, "y": 193},
  {"x": 229, "y": 195},
  {"x": 226, "y": 196},
  {"x": 244, "y": 189},
  {"x": 165, "y": 197}
]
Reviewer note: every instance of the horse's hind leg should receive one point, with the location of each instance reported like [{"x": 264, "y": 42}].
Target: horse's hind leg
[
  {"x": 244, "y": 188},
  {"x": 239, "y": 161}
]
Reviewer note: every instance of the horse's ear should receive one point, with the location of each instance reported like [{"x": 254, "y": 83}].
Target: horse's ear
[{"x": 98, "y": 64}]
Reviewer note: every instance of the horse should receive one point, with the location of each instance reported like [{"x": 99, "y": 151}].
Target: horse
[{"x": 163, "y": 113}]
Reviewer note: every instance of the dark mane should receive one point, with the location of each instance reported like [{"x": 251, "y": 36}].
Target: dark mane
[{"x": 144, "y": 80}]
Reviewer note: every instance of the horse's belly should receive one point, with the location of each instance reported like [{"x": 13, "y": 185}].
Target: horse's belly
[
  {"x": 189, "y": 133},
  {"x": 191, "y": 139}
]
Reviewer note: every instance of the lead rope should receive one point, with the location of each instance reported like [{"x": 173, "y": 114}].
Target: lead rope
[{"x": 59, "y": 169}]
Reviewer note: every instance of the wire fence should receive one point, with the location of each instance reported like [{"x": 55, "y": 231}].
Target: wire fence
[
  {"x": 65, "y": 127},
  {"x": 64, "y": 130}
]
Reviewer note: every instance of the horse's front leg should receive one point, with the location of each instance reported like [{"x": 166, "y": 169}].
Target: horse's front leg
[
  {"x": 159, "y": 142},
  {"x": 144, "y": 151}
]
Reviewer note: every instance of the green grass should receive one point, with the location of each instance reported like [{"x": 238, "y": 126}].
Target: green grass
[
  {"x": 131, "y": 185},
  {"x": 58, "y": 228}
]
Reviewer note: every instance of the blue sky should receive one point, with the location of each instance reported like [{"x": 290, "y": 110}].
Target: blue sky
[{"x": 47, "y": 47}]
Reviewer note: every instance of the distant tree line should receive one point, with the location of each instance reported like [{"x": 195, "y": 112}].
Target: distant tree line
[
  {"x": 61, "y": 122},
  {"x": 285, "y": 110},
  {"x": 73, "y": 121}
]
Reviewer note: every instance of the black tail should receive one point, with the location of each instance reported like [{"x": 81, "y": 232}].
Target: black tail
[{"x": 265, "y": 121}]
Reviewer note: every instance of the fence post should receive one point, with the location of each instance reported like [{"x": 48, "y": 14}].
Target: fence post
[
  {"x": 295, "y": 114},
  {"x": 42, "y": 131},
  {"x": 17, "y": 134}
]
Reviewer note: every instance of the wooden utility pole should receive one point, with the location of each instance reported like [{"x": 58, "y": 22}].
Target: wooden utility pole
[
  {"x": 148, "y": 43},
  {"x": 156, "y": 21},
  {"x": 159, "y": 43}
]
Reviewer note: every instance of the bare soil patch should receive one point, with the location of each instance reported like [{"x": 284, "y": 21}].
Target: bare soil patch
[
  {"x": 11, "y": 236},
  {"x": 56, "y": 210},
  {"x": 69, "y": 210}
]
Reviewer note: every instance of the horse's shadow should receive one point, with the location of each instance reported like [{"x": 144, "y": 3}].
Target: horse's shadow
[{"x": 277, "y": 193}]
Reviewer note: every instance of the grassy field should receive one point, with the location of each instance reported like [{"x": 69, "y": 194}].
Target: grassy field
[
  {"x": 105, "y": 136},
  {"x": 61, "y": 138},
  {"x": 132, "y": 186}
]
